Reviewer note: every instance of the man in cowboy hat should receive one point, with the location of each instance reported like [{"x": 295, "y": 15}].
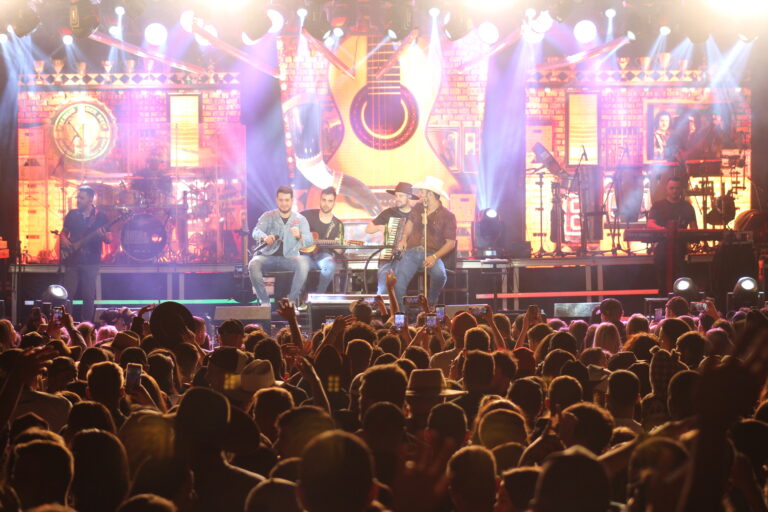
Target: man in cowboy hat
[
  {"x": 426, "y": 389},
  {"x": 403, "y": 193},
  {"x": 441, "y": 240}
]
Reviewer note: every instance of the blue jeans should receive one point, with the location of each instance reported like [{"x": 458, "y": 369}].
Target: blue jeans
[
  {"x": 326, "y": 264},
  {"x": 412, "y": 262},
  {"x": 382, "y": 276},
  {"x": 299, "y": 265}
]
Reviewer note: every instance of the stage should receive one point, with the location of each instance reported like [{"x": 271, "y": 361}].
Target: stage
[{"x": 509, "y": 285}]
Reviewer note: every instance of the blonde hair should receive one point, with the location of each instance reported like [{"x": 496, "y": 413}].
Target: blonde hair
[{"x": 607, "y": 337}]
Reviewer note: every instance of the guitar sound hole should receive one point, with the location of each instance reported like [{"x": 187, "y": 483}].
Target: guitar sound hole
[{"x": 384, "y": 121}]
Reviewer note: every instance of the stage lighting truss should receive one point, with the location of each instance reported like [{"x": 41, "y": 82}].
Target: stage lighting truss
[
  {"x": 316, "y": 20},
  {"x": 21, "y": 17},
  {"x": 401, "y": 20}
]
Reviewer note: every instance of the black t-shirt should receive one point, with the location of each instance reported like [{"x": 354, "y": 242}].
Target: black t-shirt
[
  {"x": 662, "y": 212},
  {"x": 330, "y": 231},
  {"x": 77, "y": 226}
]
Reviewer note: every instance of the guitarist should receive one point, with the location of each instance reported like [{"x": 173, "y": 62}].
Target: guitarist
[
  {"x": 82, "y": 266},
  {"x": 403, "y": 193},
  {"x": 323, "y": 222}
]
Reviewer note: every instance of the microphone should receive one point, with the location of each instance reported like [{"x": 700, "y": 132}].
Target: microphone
[
  {"x": 262, "y": 245},
  {"x": 584, "y": 153}
]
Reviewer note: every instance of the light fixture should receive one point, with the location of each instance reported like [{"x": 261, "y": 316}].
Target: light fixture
[
  {"x": 745, "y": 294},
  {"x": 120, "y": 10},
  {"x": 316, "y": 20},
  {"x": 115, "y": 31},
  {"x": 83, "y": 18},
  {"x": 401, "y": 20},
  {"x": 457, "y": 24},
  {"x": 665, "y": 30},
  {"x": 488, "y": 32},
  {"x": 488, "y": 233},
  {"x": 67, "y": 39},
  {"x": 685, "y": 287},
  {"x": 156, "y": 34},
  {"x": 187, "y": 19},
  {"x": 434, "y": 12},
  {"x": 610, "y": 13},
  {"x": 55, "y": 292},
  {"x": 24, "y": 19},
  {"x": 585, "y": 31},
  {"x": 541, "y": 23}
]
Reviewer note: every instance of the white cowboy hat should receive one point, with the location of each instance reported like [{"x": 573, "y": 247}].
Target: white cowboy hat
[{"x": 433, "y": 184}]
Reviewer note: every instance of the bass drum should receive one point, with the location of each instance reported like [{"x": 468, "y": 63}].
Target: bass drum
[{"x": 143, "y": 237}]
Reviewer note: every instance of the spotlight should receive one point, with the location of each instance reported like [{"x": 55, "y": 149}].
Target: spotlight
[
  {"x": 120, "y": 10},
  {"x": 186, "y": 20},
  {"x": 631, "y": 35},
  {"x": 585, "y": 31},
  {"x": 55, "y": 292},
  {"x": 156, "y": 34},
  {"x": 302, "y": 12},
  {"x": 316, "y": 20},
  {"x": 401, "y": 21},
  {"x": 83, "y": 18},
  {"x": 665, "y": 30},
  {"x": 542, "y": 23},
  {"x": 67, "y": 39},
  {"x": 115, "y": 31},
  {"x": 488, "y": 32},
  {"x": 610, "y": 13},
  {"x": 457, "y": 25},
  {"x": 488, "y": 231},
  {"x": 434, "y": 12},
  {"x": 338, "y": 32},
  {"x": 24, "y": 19},
  {"x": 745, "y": 294},
  {"x": 686, "y": 288},
  {"x": 257, "y": 28}
]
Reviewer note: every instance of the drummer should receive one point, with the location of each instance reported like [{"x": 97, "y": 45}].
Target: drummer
[{"x": 155, "y": 187}]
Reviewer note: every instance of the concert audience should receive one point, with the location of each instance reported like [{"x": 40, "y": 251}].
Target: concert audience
[{"x": 359, "y": 418}]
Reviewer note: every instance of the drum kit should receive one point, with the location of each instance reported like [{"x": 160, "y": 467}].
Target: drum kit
[{"x": 158, "y": 229}]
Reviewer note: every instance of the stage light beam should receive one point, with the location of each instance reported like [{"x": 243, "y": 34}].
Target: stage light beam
[
  {"x": 665, "y": 30},
  {"x": 610, "y": 13},
  {"x": 67, "y": 39}
]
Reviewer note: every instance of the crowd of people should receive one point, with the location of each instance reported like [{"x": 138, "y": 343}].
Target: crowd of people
[{"x": 483, "y": 413}]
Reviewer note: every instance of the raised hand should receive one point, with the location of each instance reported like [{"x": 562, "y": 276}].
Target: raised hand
[
  {"x": 391, "y": 280},
  {"x": 285, "y": 309}
]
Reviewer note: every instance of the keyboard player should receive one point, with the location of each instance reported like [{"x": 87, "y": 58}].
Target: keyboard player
[
  {"x": 390, "y": 222},
  {"x": 673, "y": 209}
]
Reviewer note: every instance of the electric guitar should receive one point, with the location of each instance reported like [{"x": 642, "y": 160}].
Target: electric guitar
[
  {"x": 385, "y": 118},
  {"x": 69, "y": 252},
  {"x": 319, "y": 243}
]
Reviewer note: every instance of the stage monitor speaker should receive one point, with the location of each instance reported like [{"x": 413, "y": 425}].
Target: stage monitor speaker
[
  {"x": 652, "y": 305},
  {"x": 246, "y": 314},
  {"x": 323, "y": 305},
  {"x": 452, "y": 309},
  {"x": 570, "y": 310}
]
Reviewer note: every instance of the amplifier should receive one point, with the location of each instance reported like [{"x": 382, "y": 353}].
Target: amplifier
[{"x": 247, "y": 314}]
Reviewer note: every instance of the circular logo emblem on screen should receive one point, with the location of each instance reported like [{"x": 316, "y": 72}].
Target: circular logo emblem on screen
[{"x": 84, "y": 130}]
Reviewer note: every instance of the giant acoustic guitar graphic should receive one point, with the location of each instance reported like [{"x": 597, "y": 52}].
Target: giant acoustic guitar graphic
[{"x": 386, "y": 117}]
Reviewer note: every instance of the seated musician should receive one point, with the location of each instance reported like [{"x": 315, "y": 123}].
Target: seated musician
[
  {"x": 327, "y": 227},
  {"x": 284, "y": 232},
  {"x": 441, "y": 240},
  {"x": 672, "y": 210},
  {"x": 390, "y": 222}
]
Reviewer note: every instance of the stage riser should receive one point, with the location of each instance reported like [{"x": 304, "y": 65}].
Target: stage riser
[{"x": 219, "y": 283}]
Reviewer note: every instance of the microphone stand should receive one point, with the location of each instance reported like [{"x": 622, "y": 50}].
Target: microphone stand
[
  {"x": 582, "y": 214},
  {"x": 424, "y": 222}
]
